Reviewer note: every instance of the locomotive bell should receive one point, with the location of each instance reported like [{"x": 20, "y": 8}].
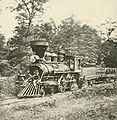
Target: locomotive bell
[{"x": 39, "y": 46}]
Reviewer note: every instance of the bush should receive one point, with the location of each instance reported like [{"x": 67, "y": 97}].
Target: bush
[
  {"x": 98, "y": 90},
  {"x": 7, "y": 87},
  {"x": 5, "y": 68}
]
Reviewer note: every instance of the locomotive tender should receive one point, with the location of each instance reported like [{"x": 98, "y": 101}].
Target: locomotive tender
[{"x": 60, "y": 71}]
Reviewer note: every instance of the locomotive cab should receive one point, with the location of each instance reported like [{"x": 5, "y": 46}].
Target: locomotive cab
[{"x": 74, "y": 63}]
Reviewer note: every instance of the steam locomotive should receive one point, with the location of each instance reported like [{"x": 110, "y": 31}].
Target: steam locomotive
[
  {"x": 59, "y": 72},
  {"x": 51, "y": 72}
]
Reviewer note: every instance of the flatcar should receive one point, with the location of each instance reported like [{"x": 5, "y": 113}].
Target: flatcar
[{"x": 93, "y": 74}]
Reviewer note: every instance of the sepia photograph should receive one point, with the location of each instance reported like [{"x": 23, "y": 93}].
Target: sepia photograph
[{"x": 58, "y": 59}]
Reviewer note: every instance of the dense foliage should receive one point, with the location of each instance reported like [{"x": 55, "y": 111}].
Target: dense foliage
[
  {"x": 19, "y": 44},
  {"x": 109, "y": 45},
  {"x": 70, "y": 36},
  {"x": 5, "y": 68},
  {"x": 109, "y": 53}
]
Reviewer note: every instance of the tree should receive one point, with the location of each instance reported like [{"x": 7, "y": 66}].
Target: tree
[
  {"x": 5, "y": 68},
  {"x": 109, "y": 53},
  {"x": 106, "y": 29},
  {"x": 77, "y": 40},
  {"x": 3, "y": 50},
  {"x": 19, "y": 44},
  {"x": 27, "y": 11},
  {"x": 109, "y": 45},
  {"x": 89, "y": 44},
  {"x": 47, "y": 31}
]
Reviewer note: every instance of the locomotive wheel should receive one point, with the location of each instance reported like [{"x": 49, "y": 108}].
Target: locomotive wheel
[
  {"x": 52, "y": 90},
  {"x": 42, "y": 91},
  {"x": 62, "y": 86},
  {"x": 108, "y": 80},
  {"x": 72, "y": 86}
]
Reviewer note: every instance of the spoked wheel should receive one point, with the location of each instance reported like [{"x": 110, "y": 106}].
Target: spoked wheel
[
  {"x": 62, "y": 86},
  {"x": 108, "y": 80},
  {"x": 52, "y": 90},
  {"x": 42, "y": 90},
  {"x": 73, "y": 86}
]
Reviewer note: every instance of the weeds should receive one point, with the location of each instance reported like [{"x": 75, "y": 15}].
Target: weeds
[{"x": 98, "y": 90}]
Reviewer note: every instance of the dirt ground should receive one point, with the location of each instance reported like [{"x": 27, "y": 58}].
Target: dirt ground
[{"x": 60, "y": 106}]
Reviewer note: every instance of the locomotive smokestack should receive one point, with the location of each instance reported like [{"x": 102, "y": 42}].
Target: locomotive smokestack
[{"x": 39, "y": 46}]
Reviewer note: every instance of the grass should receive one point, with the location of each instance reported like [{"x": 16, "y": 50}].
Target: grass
[{"x": 90, "y": 103}]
